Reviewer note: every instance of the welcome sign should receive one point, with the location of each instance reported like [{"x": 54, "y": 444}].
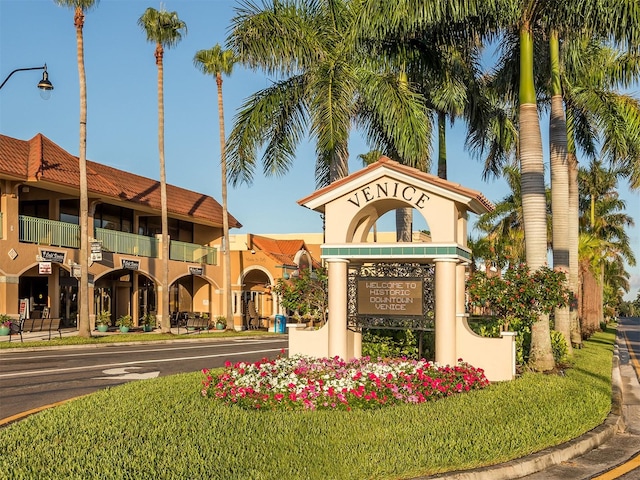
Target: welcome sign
[{"x": 390, "y": 296}]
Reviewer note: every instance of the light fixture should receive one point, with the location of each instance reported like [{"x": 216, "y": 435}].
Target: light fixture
[{"x": 44, "y": 85}]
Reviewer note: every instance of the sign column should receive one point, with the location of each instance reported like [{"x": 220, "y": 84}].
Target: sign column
[
  {"x": 446, "y": 311},
  {"x": 337, "y": 324}
]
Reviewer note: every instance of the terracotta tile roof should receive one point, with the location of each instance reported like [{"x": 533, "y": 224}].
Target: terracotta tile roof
[
  {"x": 398, "y": 167},
  {"x": 282, "y": 251},
  {"x": 41, "y": 160}
]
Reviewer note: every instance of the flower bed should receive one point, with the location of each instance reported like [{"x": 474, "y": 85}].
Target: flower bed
[{"x": 305, "y": 383}]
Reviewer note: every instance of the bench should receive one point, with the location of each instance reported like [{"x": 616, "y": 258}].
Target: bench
[
  {"x": 35, "y": 325},
  {"x": 194, "y": 323}
]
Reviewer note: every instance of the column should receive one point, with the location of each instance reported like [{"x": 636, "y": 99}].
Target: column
[
  {"x": 446, "y": 311},
  {"x": 337, "y": 324}
]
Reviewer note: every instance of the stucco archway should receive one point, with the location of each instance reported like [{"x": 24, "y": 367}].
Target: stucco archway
[{"x": 351, "y": 206}]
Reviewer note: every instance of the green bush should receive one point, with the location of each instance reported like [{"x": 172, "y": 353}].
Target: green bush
[
  {"x": 559, "y": 347},
  {"x": 379, "y": 343},
  {"x": 171, "y": 432}
]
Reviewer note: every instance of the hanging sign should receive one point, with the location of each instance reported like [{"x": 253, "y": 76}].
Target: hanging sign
[
  {"x": 130, "y": 264},
  {"x": 96, "y": 252},
  {"x": 44, "y": 268}
]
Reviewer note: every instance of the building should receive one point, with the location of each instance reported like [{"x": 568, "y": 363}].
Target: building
[{"x": 40, "y": 238}]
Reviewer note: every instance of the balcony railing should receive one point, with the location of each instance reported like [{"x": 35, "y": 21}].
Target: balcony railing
[
  {"x": 48, "y": 232},
  {"x": 127, "y": 243},
  {"x": 190, "y": 252},
  {"x": 63, "y": 234}
]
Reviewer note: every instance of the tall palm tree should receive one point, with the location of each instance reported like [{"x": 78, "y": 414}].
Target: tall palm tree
[
  {"x": 218, "y": 62},
  {"x": 81, "y": 6},
  {"x": 559, "y": 184},
  {"x": 605, "y": 239},
  {"x": 327, "y": 84},
  {"x": 164, "y": 29}
]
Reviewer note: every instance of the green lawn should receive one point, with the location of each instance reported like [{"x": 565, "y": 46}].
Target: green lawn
[{"x": 164, "y": 429}]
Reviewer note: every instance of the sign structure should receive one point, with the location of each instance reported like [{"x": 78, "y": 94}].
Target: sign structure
[
  {"x": 96, "y": 252},
  {"x": 390, "y": 296},
  {"x": 196, "y": 270},
  {"x": 44, "y": 268},
  {"x": 130, "y": 264},
  {"x": 51, "y": 256}
]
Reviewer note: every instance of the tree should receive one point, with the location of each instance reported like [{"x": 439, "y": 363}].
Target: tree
[
  {"x": 80, "y": 6},
  {"x": 164, "y": 29},
  {"x": 328, "y": 83},
  {"x": 218, "y": 62},
  {"x": 603, "y": 242}
]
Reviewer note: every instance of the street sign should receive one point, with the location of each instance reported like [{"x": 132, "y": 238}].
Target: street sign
[{"x": 96, "y": 252}]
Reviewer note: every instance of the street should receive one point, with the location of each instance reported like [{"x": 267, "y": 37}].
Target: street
[{"x": 33, "y": 379}]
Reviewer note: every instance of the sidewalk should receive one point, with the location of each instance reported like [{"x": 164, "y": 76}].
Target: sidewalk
[{"x": 73, "y": 332}]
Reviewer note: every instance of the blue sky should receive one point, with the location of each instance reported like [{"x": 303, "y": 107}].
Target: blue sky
[{"x": 122, "y": 128}]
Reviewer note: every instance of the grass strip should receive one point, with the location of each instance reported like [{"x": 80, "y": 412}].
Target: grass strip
[{"x": 163, "y": 429}]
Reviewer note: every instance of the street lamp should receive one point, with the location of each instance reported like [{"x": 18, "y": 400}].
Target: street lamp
[{"x": 44, "y": 85}]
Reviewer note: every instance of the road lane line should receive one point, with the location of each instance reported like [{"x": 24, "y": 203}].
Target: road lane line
[
  {"x": 111, "y": 365},
  {"x": 102, "y": 351}
]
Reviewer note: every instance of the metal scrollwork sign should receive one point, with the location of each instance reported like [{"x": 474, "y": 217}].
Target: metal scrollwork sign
[{"x": 391, "y": 296}]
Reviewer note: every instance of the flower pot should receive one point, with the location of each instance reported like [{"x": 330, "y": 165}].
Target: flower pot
[
  {"x": 124, "y": 329},
  {"x": 147, "y": 328},
  {"x": 220, "y": 326},
  {"x": 103, "y": 328},
  {"x": 4, "y": 330}
]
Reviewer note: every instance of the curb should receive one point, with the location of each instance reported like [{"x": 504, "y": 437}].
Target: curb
[{"x": 518, "y": 468}]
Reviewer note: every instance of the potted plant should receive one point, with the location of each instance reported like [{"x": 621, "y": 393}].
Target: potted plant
[
  {"x": 103, "y": 319},
  {"x": 221, "y": 322},
  {"x": 125, "y": 322},
  {"x": 148, "y": 322},
  {"x": 5, "y": 324}
]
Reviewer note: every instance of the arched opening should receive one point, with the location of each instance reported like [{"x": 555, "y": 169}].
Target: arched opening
[
  {"x": 125, "y": 292},
  {"x": 257, "y": 300}
]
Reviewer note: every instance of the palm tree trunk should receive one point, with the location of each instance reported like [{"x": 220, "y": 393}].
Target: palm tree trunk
[
  {"x": 533, "y": 194},
  {"x": 225, "y": 210},
  {"x": 591, "y": 302},
  {"x": 404, "y": 220},
  {"x": 442, "y": 145},
  {"x": 559, "y": 185},
  {"x": 84, "y": 327},
  {"x": 574, "y": 269},
  {"x": 165, "y": 318}
]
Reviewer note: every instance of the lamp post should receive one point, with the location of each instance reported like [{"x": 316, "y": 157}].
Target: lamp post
[{"x": 44, "y": 85}]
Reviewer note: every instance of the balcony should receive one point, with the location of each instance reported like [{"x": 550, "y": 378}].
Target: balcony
[
  {"x": 61, "y": 234},
  {"x": 48, "y": 232},
  {"x": 190, "y": 252},
  {"x": 127, "y": 243}
]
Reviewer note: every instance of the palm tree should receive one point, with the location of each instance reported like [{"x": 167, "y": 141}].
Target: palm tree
[
  {"x": 604, "y": 240},
  {"x": 80, "y": 6},
  {"x": 218, "y": 62},
  {"x": 164, "y": 29},
  {"x": 328, "y": 83}
]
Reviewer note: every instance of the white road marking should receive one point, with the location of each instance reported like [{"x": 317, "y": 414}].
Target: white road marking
[
  {"x": 124, "y": 374},
  {"x": 44, "y": 371},
  {"x": 103, "y": 351}
]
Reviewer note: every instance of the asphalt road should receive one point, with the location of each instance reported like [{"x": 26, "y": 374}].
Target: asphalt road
[{"x": 33, "y": 379}]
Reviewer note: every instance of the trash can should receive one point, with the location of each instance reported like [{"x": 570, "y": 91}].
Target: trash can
[{"x": 281, "y": 324}]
